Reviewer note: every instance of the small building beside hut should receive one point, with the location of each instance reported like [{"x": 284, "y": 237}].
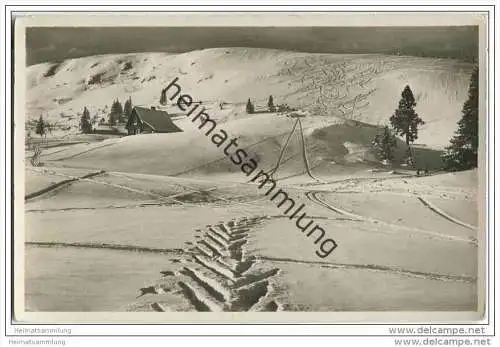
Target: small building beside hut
[
  {"x": 150, "y": 120},
  {"x": 105, "y": 129}
]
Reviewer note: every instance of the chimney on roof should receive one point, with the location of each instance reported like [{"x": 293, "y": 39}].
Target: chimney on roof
[{"x": 153, "y": 108}]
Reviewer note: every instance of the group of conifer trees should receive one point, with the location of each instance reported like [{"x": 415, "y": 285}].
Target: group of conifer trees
[
  {"x": 250, "y": 108},
  {"x": 461, "y": 154},
  {"x": 118, "y": 115}
]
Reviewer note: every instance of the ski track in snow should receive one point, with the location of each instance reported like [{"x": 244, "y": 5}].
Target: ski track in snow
[
  {"x": 83, "y": 151},
  {"x": 109, "y": 207},
  {"x": 443, "y": 214},
  {"x": 86, "y": 178},
  {"x": 379, "y": 268},
  {"x": 110, "y": 246},
  {"x": 59, "y": 185},
  {"x": 312, "y": 196},
  {"x": 359, "y": 179}
]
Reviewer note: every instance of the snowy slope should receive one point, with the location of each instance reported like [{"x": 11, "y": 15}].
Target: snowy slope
[
  {"x": 361, "y": 87},
  {"x": 344, "y": 97}
]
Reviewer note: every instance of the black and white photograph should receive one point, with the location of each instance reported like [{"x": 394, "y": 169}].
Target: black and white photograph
[{"x": 284, "y": 168}]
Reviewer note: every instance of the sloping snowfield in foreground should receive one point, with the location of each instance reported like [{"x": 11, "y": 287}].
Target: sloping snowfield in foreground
[{"x": 404, "y": 243}]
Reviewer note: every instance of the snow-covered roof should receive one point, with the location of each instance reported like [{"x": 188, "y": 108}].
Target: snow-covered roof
[{"x": 159, "y": 121}]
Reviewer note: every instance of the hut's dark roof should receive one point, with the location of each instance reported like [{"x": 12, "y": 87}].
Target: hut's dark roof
[{"x": 159, "y": 120}]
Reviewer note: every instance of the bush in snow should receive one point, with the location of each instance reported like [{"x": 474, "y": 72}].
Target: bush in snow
[{"x": 384, "y": 144}]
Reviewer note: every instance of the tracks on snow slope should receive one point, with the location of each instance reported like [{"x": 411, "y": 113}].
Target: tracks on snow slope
[
  {"x": 443, "y": 214},
  {"x": 60, "y": 185},
  {"x": 217, "y": 275},
  {"x": 312, "y": 196},
  {"x": 354, "y": 181},
  {"x": 90, "y": 178},
  {"x": 378, "y": 268},
  {"x": 97, "y": 245}
]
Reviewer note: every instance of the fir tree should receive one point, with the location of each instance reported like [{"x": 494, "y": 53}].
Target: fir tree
[
  {"x": 112, "y": 114},
  {"x": 41, "y": 127},
  {"x": 462, "y": 153},
  {"x": 85, "y": 124},
  {"x": 384, "y": 144},
  {"x": 127, "y": 108},
  {"x": 250, "y": 108},
  {"x": 405, "y": 120},
  {"x": 270, "y": 104},
  {"x": 112, "y": 118},
  {"x": 116, "y": 111},
  {"x": 119, "y": 111}
]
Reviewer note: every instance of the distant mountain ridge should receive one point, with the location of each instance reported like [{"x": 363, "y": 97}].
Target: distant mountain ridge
[{"x": 46, "y": 44}]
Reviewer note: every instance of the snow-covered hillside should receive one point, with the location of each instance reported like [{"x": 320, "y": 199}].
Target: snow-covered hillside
[{"x": 330, "y": 87}]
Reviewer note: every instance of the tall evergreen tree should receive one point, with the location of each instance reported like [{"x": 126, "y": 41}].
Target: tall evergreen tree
[
  {"x": 119, "y": 111},
  {"x": 41, "y": 127},
  {"x": 127, "y": 108},
  {"x": 250, "y": 108},
  {"x": 112, "y": 118},
  {"x": 405, "y": 120},
  {"x": 384, "y": 144},
  {"x": 270, "y": 104},
  {"x": 462, "y": 153},
  {"x": 85, "y": 124},
  {"x": 116, "y": 111}
]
